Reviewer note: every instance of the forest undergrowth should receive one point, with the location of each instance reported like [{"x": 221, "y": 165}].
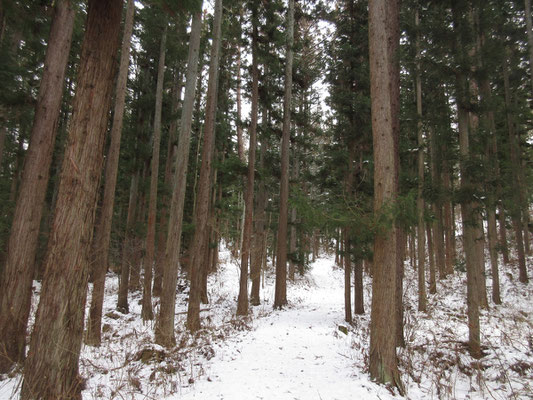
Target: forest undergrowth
[{"x": 435, "y": 363}]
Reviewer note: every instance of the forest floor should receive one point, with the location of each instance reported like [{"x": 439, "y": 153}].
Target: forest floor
[{"x": 307, "y": 351}]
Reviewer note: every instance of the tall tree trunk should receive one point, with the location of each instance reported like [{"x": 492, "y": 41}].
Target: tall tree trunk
[
  {"x": 19, "y": 269},
  {"x": 164, "y": 329},
  {"x": 529, "y": 28},
  {"x": 503, "y": 234},
  {"x": 146, "y": 311},
  {"x": 449, "y": 237},
  {"x": 438, "y": 237},
  {"x": 347, "y": 277},
  {"x": 240, "y": 142},
  {"x": 171, "y": 151},
  {"x": 260, "y": 216},
  {"x": 384, "y": 43},
  {"x": 422, "y": 300},
  {"x": 242, "y": 302},
  {"x": 514, "y": 151},
  {"x": 359, "y": 305},
  {"x": 431, "y": 257},
  {"x": 491, "y": 156},
  {"x": 293, "y": 232},
  {"x": 127, "y": 246},
  {"x": 469, "y": 238},
  {"x": 102, "y": 234},
  {"x": 201, "y": 238},
  {"x": 51, "y": 369},
  {"x": 280, "y": 295}
]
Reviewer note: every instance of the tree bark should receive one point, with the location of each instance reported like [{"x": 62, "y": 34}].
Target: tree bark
[
  {"x": 529, "y": 28},
  {"x": 469, "y": 218},
  {"x": 259, "y": 237},
  {"x": 201, "y": 239},
  {"x": 171, "y": 151},
  {"x": 18, "y": 272},
  {"x": 503, "y": 234},
  {"x": 421, "y": 234},
  {"x": 242, "y": 302},
  {"x": 146, "y": 311},
  {"x": 514, "y": 151},
  {"x": 384, "y": 42},
  {"x": 164, "y": 329},
  {"x": 491, "y": 156},
  {"x": 358, "y": 289},
  {"x": 102, "y": 235},
  {"x": 51, "y": 369},
  {"x": 449, "y": 237},
  {"x": 280, "y": 295},
  {"x": 347, "y": 278},
  {"x": 127, "y": 246},
  {"x": 431, "y": 257}
]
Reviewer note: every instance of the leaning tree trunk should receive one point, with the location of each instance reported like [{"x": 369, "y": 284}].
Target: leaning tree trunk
[
  {"x": 102, "y": 235},
  {"x": 384, "y": 43},
  {"x": 242, "y": 302},
  {"x": 146, "y": 311},
  {"x": 51, "y": 369},
  {"x": 164, "y": 329},
  {"x": 280, "y": 296},
  {"x": 201, "y": 239},
  {"x": 18, "y": 272}
]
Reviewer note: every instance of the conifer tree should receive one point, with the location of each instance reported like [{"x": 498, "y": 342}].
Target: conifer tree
[
  {"x": 384, "y": 42},
  {"x": 164, "y": 329},
  {"x": 51, "y": 369},
  {"x": 280, "y": 298},
  {"x": 19, "y": 270}
]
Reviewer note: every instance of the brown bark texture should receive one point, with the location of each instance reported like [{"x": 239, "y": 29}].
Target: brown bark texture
[
  {"x": 383, "y": 42},
  {"x": 421, "y": 234},
  {"x": 128, "y": 246},
  {"x": 431, "y": 258},
  {"x": 51, "y": 369},
  {"x": 18, "y": 272},
  {"x": 259, "y": 237},
  {"x": 171, "y": 151},
  {"x": 102, "y": 235},
  {"x": 242, "y": 301},
  {"x": 514, "y": 149},
  {"x": 164, "y": 329},
  {"x": 147, "y": 312},
  {"x": 280, "y": 294},
  {"x": 347, "y": 277},
  {"x": 200, "y": 242}
]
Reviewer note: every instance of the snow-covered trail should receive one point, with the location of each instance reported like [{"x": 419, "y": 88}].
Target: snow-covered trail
[{"x": 295, "y": 353}]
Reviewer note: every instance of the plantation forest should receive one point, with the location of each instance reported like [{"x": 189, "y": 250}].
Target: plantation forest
[{"x": 284, "y": 199}]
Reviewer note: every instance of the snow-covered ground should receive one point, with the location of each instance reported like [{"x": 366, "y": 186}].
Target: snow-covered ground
[{"x": 300, "y": 353}]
